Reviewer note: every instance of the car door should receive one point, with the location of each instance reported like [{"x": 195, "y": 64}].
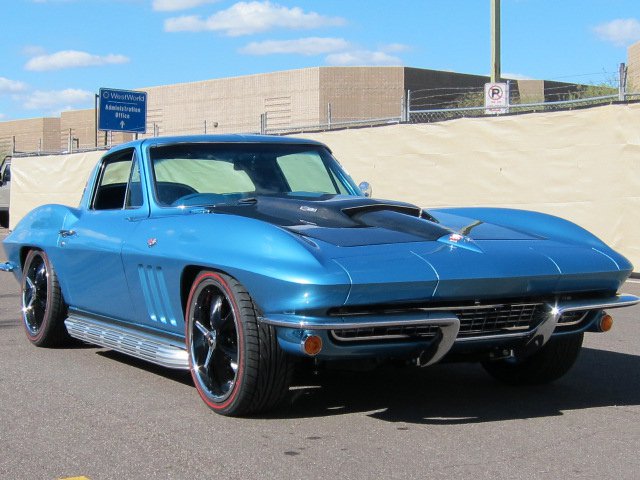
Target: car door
[{"x": 92, "y": 244}]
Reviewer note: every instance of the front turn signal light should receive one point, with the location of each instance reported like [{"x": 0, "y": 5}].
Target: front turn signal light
[
  {"x": 606, "y": 322},
  {"x": 312, "y": 345}
]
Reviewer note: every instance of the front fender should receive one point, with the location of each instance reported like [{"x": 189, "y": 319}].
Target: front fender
[
  {"x": 38, "y": 229},
  {"x": 539, "y": 224}
]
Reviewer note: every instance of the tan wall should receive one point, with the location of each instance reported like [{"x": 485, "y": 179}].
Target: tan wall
[
  {"x": 531, "y": 91},
  {"x": 31, "y": 135},
  {"x": 633, "y": 72},
  {"x": 235, "y": 104},
  {"x": 361, "y": 92}
]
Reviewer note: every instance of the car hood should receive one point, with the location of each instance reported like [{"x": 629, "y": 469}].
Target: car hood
[
  {"x": 398, "y": 252},
  {"x": 346, "y": 221}
]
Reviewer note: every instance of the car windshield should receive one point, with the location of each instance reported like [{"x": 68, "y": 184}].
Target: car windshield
[{"x": 189, "y": 174}]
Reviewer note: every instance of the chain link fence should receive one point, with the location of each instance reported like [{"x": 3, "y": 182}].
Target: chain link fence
[
  {"x": 435, "y": 105},
  {"x": 348, "y": 108}
]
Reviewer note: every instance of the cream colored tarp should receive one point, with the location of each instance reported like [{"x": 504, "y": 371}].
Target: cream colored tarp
[
  {"x": 581, "y": 165},
  {"x": 48, "y": 179}
]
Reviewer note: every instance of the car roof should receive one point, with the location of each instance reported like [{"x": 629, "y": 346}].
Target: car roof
[{"x": 236, "y": 138}]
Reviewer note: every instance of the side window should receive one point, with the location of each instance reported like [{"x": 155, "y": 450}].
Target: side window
[
  {"x": 134, "y": 192},
  {"x": 111, "y": 191}
]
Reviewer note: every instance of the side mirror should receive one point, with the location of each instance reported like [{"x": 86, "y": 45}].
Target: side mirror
[{"x": 365, "y": 188}]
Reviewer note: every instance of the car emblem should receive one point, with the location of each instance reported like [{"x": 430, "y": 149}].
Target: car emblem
[
  {"x": 152, "y": 242},
  {"x": 455, "y": 237},
  {"x": 305, "y": 208}
]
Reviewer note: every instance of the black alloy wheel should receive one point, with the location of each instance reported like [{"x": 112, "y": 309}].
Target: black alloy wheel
[
  {"x": 43, "y": 308},
  {"x": 236, "y": 363}
]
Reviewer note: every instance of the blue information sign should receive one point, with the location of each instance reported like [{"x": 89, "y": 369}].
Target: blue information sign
[{"x": 122, "y": 110}]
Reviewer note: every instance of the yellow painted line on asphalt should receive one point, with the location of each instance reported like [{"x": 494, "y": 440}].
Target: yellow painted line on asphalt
[{"x": 75, "y": 478}]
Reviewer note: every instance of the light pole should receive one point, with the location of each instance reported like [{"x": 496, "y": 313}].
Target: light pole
[{"x": 495, "y": 41}]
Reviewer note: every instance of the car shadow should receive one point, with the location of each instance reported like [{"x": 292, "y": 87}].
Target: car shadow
[
  {"x": 446, "y": 393},
  {"x": 180, "y": 376},
  {"x": 464, "y": 393}
]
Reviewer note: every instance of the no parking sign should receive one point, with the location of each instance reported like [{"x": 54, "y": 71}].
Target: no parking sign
[{"x": 496, "y": 98}]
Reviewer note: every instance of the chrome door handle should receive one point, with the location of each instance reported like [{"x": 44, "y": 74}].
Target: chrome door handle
[{"x": 67, "y": 233}]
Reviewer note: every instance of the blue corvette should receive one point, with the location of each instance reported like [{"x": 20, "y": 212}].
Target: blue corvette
[{"x": 231, "y": 256}]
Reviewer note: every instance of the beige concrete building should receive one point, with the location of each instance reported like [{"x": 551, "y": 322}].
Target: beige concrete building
[
  {"x": 633, "y": 68},
  {"x": 271, "y": 102},
  {"x": 30, "y": 135}
]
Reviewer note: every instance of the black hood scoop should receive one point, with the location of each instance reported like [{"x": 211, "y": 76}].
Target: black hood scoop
[{"x": 342, "y": 220}]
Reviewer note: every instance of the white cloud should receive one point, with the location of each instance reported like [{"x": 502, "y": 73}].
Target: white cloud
[
  {"x": 620, "y": 32},
  {"x": 58, "y": 100},
  {"x": 11, "y": 86},
  {"x": 174, "y": 5},
  {"x": 72, "y": 59},
  {"x": 246, "y": 18},
  {"x": 2, "y": 116},
  {"x": 361, "y": 58},
  {"x": 301, "y": 46}
]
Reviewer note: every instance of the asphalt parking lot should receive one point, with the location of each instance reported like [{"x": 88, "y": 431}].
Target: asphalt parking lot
[{"x": 89, "y": 412}]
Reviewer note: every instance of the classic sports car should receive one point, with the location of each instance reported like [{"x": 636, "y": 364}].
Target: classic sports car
[{"x": 231, "y": 256}]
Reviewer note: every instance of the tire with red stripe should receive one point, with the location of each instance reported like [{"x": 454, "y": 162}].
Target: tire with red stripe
[{"x": 236, "y": 363}]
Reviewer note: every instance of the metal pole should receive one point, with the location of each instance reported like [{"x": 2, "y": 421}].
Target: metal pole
[
  {"x": 95, "y": 116},
  {"x": 70, "y": 143},
  {"x": 205, "y": 127},
  {"x": 13, "y": 145},
  {"x": 408, "y": 108},
  {"x": 329, "y": 115},
  {"x": 495, "y": 41},
  {"x": 622, "y": 82},
  {"x": 263, "y": 123}
]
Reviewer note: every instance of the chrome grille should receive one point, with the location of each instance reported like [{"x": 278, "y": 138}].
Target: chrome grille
[
  {"x": 496, "y": 319},
  {"x": 572, "y": 318},
  {"x": 476, "y": 321},
  {"x": 385, "y": 333}
]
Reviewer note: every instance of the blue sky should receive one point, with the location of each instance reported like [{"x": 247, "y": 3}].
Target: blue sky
[{"x": 54, "y": 54}]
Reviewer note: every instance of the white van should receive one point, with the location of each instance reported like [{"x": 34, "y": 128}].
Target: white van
[{"x": 5, "y": 185}]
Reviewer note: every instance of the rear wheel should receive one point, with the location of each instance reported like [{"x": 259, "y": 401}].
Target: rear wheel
[
  {"x": 43, "y": 308},
  {"x": 236, "y": 363},
  {"x": 549, "y": 363}
]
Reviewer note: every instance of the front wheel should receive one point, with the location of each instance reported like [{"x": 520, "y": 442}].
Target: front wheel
[
  {"x": 43, "y": 308},
  {"x": 236, "y": 363},
  {"x": 549, "y": 363}
]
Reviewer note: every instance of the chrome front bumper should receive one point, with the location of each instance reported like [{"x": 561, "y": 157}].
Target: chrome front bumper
[{"x": 449, "y": 324}]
